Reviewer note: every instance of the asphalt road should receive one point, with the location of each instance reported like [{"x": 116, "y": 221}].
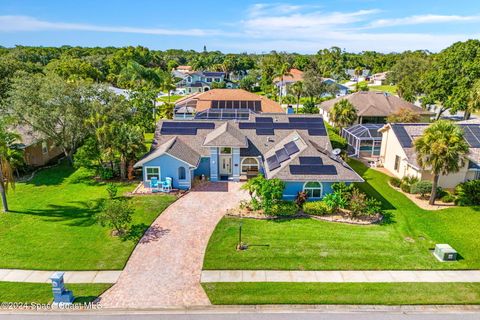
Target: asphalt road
[{"x": 264, "y": 315}]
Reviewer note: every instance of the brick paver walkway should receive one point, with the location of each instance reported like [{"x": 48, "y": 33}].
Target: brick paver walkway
[
  {"x": 340, "y": 276},
  {"x": 165, "y": 267}
]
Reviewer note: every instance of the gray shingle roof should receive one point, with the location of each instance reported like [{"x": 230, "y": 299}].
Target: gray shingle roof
[
  {"x": 174, "y": 147},
  {"x": 226, "y": 135}
]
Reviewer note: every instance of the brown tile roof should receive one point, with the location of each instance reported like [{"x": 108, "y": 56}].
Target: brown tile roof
[
  {"x": 296, "y": 75},
  {"x": 375, "y": 104},
  {"x": 204, "y": 100}
]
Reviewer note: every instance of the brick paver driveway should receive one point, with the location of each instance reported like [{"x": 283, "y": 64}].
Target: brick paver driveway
[{"x": 165, "y": 267}]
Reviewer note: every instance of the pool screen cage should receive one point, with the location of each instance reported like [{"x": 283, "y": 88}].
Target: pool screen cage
[{"x": 363, "y": 140}]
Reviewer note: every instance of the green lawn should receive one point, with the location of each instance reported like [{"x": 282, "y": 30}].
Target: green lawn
[
  {"x": 173, "y": 98},
  {"x": 401, "y": 242},
  {"x": 52, "y": 226},
  {"x": 385, "y": 88},
  {"x": 343, "y": 293},
  {"x": 26, "y": 292}
]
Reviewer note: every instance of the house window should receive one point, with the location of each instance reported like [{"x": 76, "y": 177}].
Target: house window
[
  {"x": 313, "y": 190},
  {"x": 209, "y": 80},
  {"x": 217, "y": 79},
  {"x": 225, "y": 150},
  {"x": 249, "y": 164},
  {"x": 152, "y": 172},
  {"x": 396, "y": 167},
  {"x": 182, "y": 173},
  {"x": 189, "y": 79},
  {"x": 44, "y": 147}
]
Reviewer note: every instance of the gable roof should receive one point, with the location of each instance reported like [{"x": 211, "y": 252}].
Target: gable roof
[
  {"x": 226, "y": 135},
  {"x": 296, "y": 75},
  {"x": 203, "y": 100},
  {"x": 375, "y": 104},
  {"x": 174, "y": 147}
]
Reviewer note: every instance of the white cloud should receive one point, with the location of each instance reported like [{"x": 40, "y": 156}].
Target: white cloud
[
  {"x": 423, "y": 19},
  {"x": 26, "y": 23}
]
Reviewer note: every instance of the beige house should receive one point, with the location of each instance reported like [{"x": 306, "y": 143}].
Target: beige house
[
  {"x": 397, "y": 153},
  {"x": 374, "y": 107},
  {"x": 37, "y": 151}
]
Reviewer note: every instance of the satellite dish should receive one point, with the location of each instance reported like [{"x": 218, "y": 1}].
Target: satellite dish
[{"x": 336, "y": 151}]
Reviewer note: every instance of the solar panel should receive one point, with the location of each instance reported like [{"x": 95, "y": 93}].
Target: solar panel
[
  {"x": 184, "y": 124},
  {"x": 472, "y": 136},
  {"x": 272, "y": 163},
  {"x": 263, "y": 125},
  {"x": 313, "y": 170},
  {"x": 291, "y": 148},
  {"x": 317, "y": 132},
  {"x": 264, "y": 119},
  {"x": 179, "y": 131},
  {"x": 402, "y": 135},
  {"x": 306, "y": 119},
  {"x": 283, "y": 125},
  {"x": 282, "y": 155},
  {"x": 310, "y": 160},
  {"x": 265, "y": 132},
  {"x": 247, "y": 125}
]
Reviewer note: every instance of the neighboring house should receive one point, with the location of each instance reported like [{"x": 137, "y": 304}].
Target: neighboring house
[
  {"x": 340, "y": 89},
  {"x": 224, "y": 104},
  {"x": 374, "y": 107},
  {"x": 184, "y": 69},
  {"x": 378, "y": 79},
  {"x": 284, "y": 83},
  {"x": 293, "y": 148},
  {"x": 397, "y": 153},
  {"x": 362, "y": 77},
  {"x": 201, "y": 81},
  {"x": 37, "y": 151}
]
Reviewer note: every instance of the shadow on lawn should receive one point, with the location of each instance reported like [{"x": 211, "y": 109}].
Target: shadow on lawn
[{"x": 78, "y": 213}]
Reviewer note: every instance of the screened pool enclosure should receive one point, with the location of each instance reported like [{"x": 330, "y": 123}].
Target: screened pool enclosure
[{"x": 363, "y": 140}]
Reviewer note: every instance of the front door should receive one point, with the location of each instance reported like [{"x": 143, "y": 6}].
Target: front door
[{"x": 225, "y": 165}]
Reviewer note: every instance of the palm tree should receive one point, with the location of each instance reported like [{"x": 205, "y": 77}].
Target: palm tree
[
  {"x": 343, "y": 114},
  {"x": 441, "y": 150},
  {"x": 128, "y": 142},
  {"x": 297, "y": 91},
  {"x": 281, "y": 72},
  {"x": 168, "y": 83},
  {"x": 473, "y": 103},
  {"x": 6, "y": 172}
]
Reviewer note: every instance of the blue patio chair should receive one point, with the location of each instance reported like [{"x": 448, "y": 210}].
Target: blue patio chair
[
  {"x": 167, "y": 184},
  {"x": 154, "y": 184}
]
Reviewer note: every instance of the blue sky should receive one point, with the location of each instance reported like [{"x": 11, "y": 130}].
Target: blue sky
[{"x": 242, "y": 26}]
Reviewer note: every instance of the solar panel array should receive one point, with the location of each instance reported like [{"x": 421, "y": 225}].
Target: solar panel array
[
  {"x": 266, "y": 125},
  {"x": 402, "y": 135},
  {"x": 296, "y": 169},
  {"x": 282, "y": 155},
  {"x": 224, "y": 114},
  {"x": 184, "y": 128},
  {"x": 310, "y": 161},
  {"x": 237, "y": 104},
  {"x": 472, "y": 135}
]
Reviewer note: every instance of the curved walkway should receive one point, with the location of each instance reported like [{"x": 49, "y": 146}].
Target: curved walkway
[{"x": 165, "y": 267}]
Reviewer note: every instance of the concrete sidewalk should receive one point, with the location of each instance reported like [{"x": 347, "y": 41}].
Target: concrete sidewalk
[
  {"x": 339, "y": 276},
  {"x": 37, "y": 276}
]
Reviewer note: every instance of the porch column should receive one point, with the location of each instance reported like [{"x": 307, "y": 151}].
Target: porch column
[
  {"x": 236, "y": 164},
  {"x": 213, "y": 164}
]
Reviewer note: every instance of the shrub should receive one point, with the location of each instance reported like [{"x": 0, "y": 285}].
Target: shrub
[
  {"x": 284, "y": 208},
  {"x": 105, "y": 173},
  {"x": 343, "y": 188},
  {"x": 116, "y": 214},
  {"x": 468, "y": 193},
  {"x": 407, "y": 183},
  {"x": 405, "y": 187},
  {"x": 316, "y": 208},
  {"x": 357, "y": 204},
  {"x": 374, "y": 206},
  {"x": 335, "y": 200},
  {"x": 301, "y": 198},
  {"x": 310, "y": 107},
  {"x": 448, "y": 197},
  {"x": 112, "y": 190},
  {"x": 396, "y": 182},
  {"x": 422, "y": 188}
]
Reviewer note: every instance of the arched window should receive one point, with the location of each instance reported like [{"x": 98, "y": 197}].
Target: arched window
[
  {"x": 249, "y": 164},
  {"x": 313, "y": 189},
  {"x": 181, "y": 173}
]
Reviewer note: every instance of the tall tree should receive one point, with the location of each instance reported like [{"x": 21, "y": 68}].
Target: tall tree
[
  {"x": 52, "y": 106},
  {"x": 129, "y": 143},
  {"x": 314, "y": 85},
  {"x": 408, "y": 73},
  {"x": 6, "y": 173},
  {"x": 343, "y": 114},
  {"x": 282, "y": 71},
  {"x": 404, "y": 116},
  {"x": 473, "y": 103},
  {"x": 297, "y": 91},
  {"x": 441, "y": 150}
]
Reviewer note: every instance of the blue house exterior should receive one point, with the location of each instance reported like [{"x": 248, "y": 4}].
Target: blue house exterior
[{"x": 234, "y": 151}]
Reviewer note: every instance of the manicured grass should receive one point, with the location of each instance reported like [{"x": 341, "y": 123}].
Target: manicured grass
[
  {"x": 343, "y": 293},
  {"x": 385, "y": 88},
  {"x": 401, "y": 242},
  {"x": 173, "y": 98},
  {"x": 51, "y": 225},
  {"x": 26, "y": 292},
  {"x": 336, "y": 139}
]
